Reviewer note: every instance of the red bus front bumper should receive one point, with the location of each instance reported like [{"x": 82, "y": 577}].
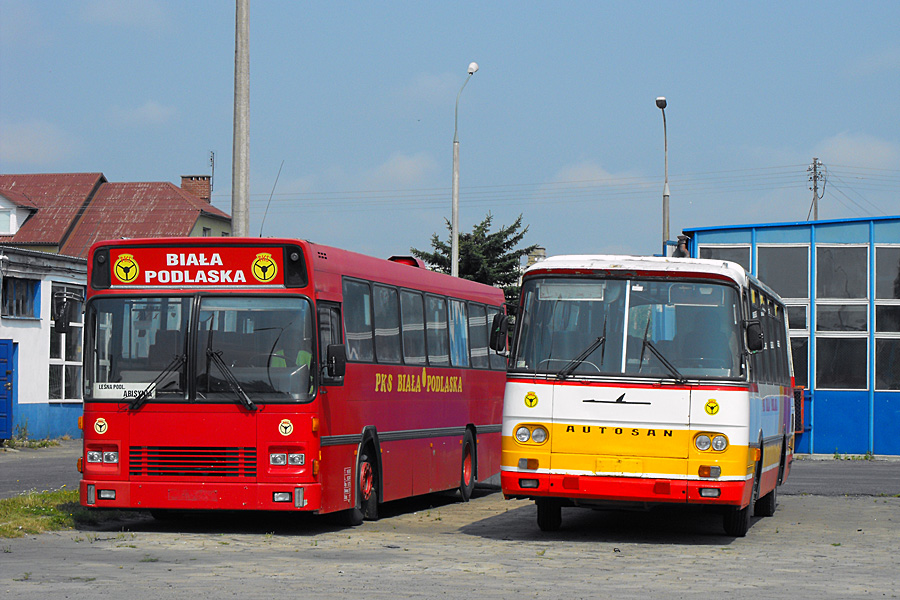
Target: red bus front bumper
[
  {"x": 200, "y": 496},
  {"x": 589, "y": 488}
]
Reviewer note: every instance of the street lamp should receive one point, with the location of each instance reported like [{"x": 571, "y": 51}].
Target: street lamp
[
  {"x": 454, "y": 220},
  {"x": 661, "y": 104}
]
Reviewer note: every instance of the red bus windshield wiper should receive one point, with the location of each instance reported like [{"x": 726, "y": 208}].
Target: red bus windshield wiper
[
  {"x": 141, "y": 398},
  {"x": 216, "y": 357}
]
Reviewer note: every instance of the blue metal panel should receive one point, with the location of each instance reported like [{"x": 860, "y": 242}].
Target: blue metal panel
[
  {"x": 44, "y": 420},
  {"x": 811, "y": 367},
  {"x": 887, "y": 417},
  {"x": 782, "y": 235},
  {"x": 841, "y": 422},
  {"x": 843, "y": 233},
  {"x": 887, "y": 232},
  {"x": 871, "y": 326},
  {"x": 7, "y": 383},
  {"x": 753, "y": 266},
  {"x": 731, "y": 236},
  {"x": 862, "y": 220}
]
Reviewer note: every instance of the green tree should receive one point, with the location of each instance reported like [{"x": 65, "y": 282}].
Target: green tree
[{"x": 485, "y": 257}]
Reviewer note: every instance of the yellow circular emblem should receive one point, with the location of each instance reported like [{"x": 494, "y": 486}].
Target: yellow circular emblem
[
  {"x": 531, "y": 399},
  {"x": 126, "y": 268},
  {"x": 285, "y": 428},
  {"x": 712, "y": 407},
  {"x": 100, "y": 426},
  {"x": 264, "y": 268}
]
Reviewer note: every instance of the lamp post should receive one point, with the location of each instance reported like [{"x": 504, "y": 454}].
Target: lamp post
[
  {"x": 661, "y": 104},
  {"x": 454, "y": 220}
]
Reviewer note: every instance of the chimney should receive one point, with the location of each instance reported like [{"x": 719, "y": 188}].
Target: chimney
[
  {"x": 197, "y": 185},
  {"x": 536, "y": 256}
]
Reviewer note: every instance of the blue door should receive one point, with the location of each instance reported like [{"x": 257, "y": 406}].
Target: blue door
[{"x": 6, "y": 388}]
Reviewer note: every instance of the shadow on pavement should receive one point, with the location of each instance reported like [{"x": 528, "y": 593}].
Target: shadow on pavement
[{"x": 682, "y": 525}]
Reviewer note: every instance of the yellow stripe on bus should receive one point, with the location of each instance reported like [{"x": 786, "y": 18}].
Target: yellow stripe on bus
[{"x": 736, "y": 462}]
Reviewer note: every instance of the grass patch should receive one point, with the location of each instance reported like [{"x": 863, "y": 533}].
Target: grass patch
[
  {"x": 21, "y": 439},
  {"x": 39, "y": 512},
  {"x": 28, "y": 443}
]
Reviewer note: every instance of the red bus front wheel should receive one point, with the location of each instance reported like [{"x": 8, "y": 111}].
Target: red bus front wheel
[{"x": 368, "y": 487}]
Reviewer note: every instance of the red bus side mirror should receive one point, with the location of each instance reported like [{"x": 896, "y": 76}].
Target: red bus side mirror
[{"x": 336, "y": 360}]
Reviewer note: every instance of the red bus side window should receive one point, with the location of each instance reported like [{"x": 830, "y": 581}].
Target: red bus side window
[
  {"x": 329, "y": 330},
  {"x": 358, "y": 321}
]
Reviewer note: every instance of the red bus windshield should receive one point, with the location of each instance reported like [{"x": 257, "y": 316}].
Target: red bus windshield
[{"x": 200, "y": 348}]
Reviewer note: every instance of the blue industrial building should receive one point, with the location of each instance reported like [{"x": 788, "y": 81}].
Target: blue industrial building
[{"x": 840, "y": 281}]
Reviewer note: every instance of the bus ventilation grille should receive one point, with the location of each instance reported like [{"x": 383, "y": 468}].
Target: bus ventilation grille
[{"x": 175, "y": 461}]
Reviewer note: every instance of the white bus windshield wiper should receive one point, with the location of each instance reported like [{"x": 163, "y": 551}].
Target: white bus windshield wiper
[
  {"x": 573, "y": 364},
  {"x": 216, "y": 357},
  {"x": 570, "y": 367},
  {"x": 141, "y": 398},
  {"x": 679, "y": 378}
]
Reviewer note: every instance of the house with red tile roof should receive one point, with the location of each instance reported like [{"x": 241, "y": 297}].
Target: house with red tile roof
[
  {"x": 47, "y": 224},
  {"x": 66, "y": 213}
]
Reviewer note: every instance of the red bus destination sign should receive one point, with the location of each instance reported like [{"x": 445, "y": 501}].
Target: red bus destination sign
[{"x": 200, "y": 266}]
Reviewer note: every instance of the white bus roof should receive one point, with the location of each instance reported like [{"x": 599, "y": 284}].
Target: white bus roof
[{"x": 611, "y": 262}]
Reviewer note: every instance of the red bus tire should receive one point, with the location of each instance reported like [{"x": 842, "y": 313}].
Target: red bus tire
[
  {"x": 467, "y": 472},
  {"x": 368, "y": 486}
]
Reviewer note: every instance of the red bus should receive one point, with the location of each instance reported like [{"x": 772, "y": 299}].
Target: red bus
[{"x": 278, "y": 374}]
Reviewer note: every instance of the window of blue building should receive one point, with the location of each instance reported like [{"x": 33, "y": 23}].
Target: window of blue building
[
  {"x": 887, "y": 318},
  {"x": 842, "y": 277}
]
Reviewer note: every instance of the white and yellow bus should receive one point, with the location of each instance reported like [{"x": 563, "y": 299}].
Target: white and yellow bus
[{"x": 642, "y": 381}]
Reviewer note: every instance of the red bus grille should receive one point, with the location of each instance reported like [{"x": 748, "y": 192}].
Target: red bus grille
[{"x": 176, "y": 461}]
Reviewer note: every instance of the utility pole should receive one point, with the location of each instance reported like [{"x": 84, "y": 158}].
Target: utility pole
[
  {"x": 240, "y": 160},
  {"x": 661, "y": 105},
  {"x": 816, "y": 174},
  {"x": 454, "y": 193}
]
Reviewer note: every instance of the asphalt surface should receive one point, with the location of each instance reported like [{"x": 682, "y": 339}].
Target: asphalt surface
[
  {"x": 835, "y": 534},
  {"x": 37, "y": 469}
]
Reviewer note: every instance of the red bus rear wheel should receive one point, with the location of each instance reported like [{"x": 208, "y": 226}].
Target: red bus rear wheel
[{"x": 467, "y": 473}]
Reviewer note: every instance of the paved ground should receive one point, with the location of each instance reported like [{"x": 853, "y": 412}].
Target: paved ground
[
  {"x": 816, "y": 546},
  {"x": 24, "y": 470}
]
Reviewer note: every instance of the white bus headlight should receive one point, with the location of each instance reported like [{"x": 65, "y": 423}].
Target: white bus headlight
[
  {"x": 719, "y": 443},
  {"x": 94, "y": 456},
  {"x": 702, "y": 442},
  {"x": 296, "y": 459},
  {"x": 523, "y": 434},
  {"x": 278, "y": 459},
  {"x": 539, "y": 435},
  {"x": 111, "y": 457}
]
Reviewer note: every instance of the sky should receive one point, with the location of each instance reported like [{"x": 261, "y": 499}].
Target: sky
[{"x": 353, "y": 102}]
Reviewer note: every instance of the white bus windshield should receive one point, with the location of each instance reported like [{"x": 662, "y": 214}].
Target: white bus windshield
[{"x": 653, "y": 328}]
